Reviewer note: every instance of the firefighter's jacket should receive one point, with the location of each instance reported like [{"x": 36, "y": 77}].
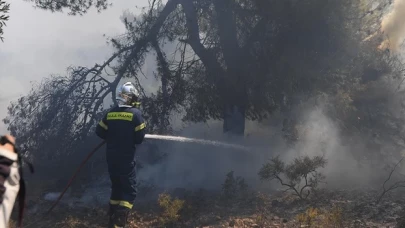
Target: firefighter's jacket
[{"x": 122, "y": 127}]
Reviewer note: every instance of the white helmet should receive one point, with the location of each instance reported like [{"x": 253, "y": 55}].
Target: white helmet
[{"x": 127, "y": 94}]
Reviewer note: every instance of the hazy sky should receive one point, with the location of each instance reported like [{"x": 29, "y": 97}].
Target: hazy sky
[{"x": 39, "y": 43}]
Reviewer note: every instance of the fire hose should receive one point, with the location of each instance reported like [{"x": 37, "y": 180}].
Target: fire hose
[{"x": 69, "y": 183}]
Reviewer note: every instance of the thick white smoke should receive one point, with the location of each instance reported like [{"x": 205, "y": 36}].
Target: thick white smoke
[{"x": 393, "y": 26}]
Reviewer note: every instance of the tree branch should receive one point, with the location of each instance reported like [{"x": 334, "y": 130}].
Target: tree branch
[
  {"x": 290, "y": 186},
  {"x": 215, "y": 71},
  {"x": 165, "y": 76},
  {"x": 392, "y": 187},
  {"x": 143, "y": 42}
]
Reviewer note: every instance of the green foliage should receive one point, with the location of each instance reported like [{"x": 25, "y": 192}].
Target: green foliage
[
  {"x": 75, "y": 7},
  {"x": 233, "y": 187},
  {"x": 300, "y": 170},
  {"x": 170, "y": 209},
  {"x": 4, "y": 9}
]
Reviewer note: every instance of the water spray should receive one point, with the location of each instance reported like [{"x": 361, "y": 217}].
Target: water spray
[{"x": 193, "y": 140}]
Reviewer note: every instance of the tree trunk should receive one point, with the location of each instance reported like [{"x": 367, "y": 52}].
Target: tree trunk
[
  {"x": 234, "y": 113},
  {"x": 229, "y": 80}
]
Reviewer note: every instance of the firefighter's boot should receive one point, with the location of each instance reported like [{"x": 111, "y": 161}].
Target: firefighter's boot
[{"x": 118, "y": 216}]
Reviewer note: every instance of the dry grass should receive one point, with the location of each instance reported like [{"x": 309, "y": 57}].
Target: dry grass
[{"x": 314, "y": 217}]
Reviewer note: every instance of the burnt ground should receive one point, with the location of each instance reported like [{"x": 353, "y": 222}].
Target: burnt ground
[{"x": 325, "y": 208}]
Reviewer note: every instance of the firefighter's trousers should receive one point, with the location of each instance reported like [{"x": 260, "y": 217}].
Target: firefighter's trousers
[{"x": 123, "y": 194}]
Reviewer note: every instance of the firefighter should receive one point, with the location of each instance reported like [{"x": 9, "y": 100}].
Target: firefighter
[{"x": 122, "y": 127}]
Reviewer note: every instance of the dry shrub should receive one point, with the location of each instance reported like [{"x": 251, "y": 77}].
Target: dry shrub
[
  {"x": 301, "y": 170},
  {"x": 314, "y": 217},
  {"x": 333, "y": 218},
  {"x": 308, "y": 217},
  {"x": 170, "y": 209}
]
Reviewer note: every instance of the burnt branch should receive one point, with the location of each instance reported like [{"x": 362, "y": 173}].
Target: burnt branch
[{"x": 398, "y": 184}]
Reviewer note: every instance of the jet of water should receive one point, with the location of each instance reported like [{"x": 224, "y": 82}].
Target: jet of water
[{"x": 192, "y": 140}]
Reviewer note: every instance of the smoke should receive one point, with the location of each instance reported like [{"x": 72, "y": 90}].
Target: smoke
[
  {"x": 393, "y": 26},
  {"x": 193, "y": 166},
  {"x": 321, "y": 136}
]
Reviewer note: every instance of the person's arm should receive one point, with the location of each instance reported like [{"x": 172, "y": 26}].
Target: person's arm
[
  {"x": 102, "y": 127},
  {"x": 9, "y": 180},
  {"x": 140, "y": 127}
]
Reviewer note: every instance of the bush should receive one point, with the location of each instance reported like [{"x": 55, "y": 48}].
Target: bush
[
  {"x": 314, "y": 217},
  {"x": 333, "y": 218},
  {"x": 170, "y": 209},
  {"x": 301, "y": 170},
  {"x": 400, "y": 221},
  {"x": 308, "y": 217},
  {"x": 233, "y": 187}
]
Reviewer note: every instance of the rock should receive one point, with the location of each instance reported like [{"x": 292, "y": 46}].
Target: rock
[
  {"x": 51, "y": 196},
  {"x": 285, "y": 221},
  {"x": 275, "y": 203},
  {"x": 33, "y": 209},
  {"x": 357, "y": 224},
  {"x": 232, "y": 223},
  {"x": 248, "y": 221}
]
